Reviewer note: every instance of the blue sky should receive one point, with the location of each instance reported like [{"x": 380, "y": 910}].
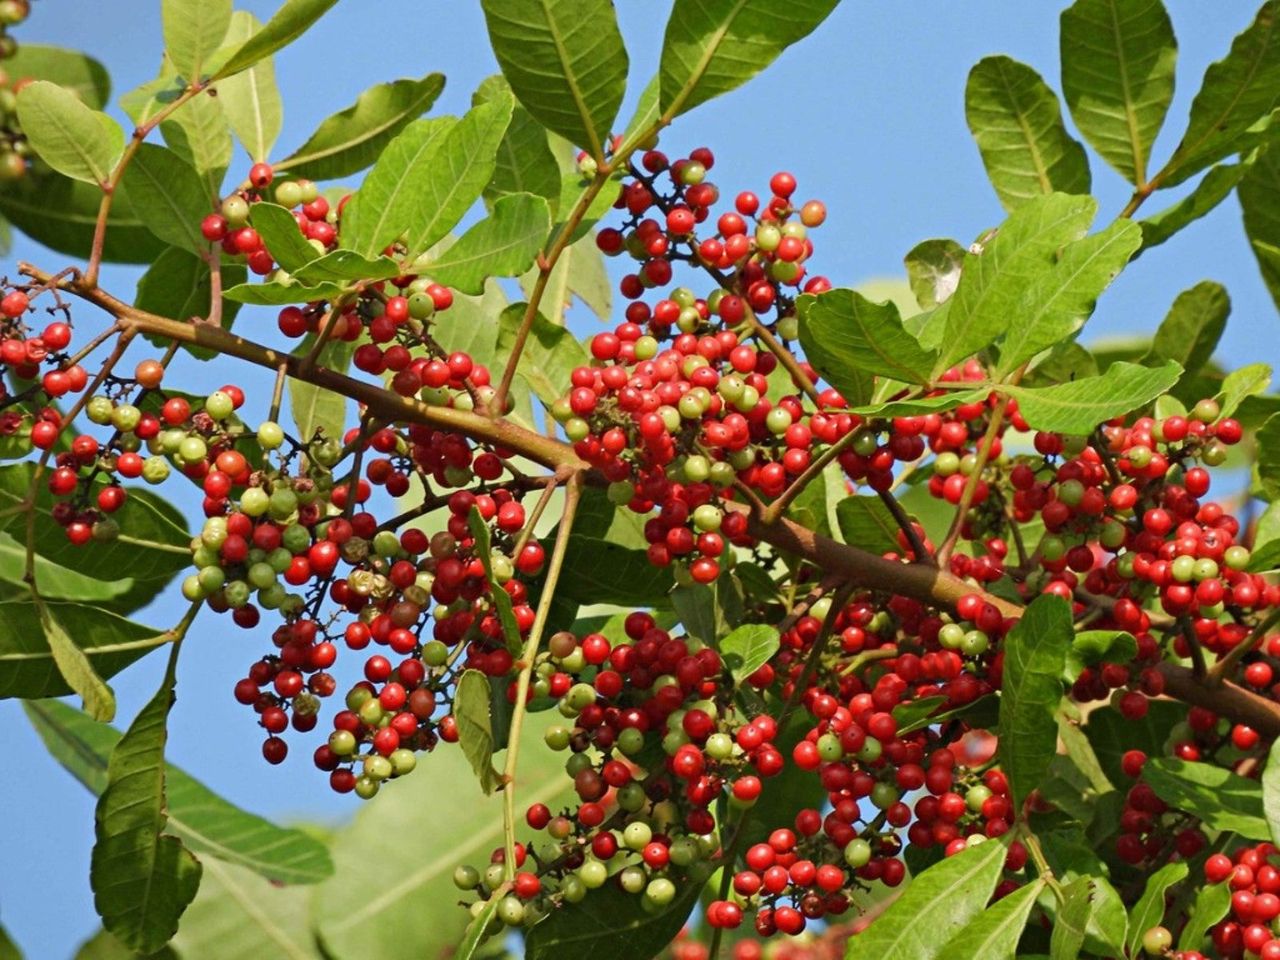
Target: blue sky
[{"x": 867, "y": 113}]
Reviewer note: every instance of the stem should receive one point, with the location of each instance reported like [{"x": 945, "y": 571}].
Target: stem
[
  {"x": 1032, "y": 843},
  {"x": 1197, "y": 653},
  {"x": 1139, "y": 197},
  {"x": 538, "y": 509},
  {"x": 1220, "y": 670},
  {"x": 904, "y": 523},
  {"x": 573, "y": 494},
  {"x": 838, "y": 601},
  {"x": 778, "y": 506},
  {"x": 277, "y": 392},
  {"x": 214, "y": 259}
]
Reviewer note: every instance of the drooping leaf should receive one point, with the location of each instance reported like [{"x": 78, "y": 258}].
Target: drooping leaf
[
  {"x": 353, "y": 138},
  {"x": 714, "y": 46},
  {"x": 200, "y": 135},
  {"x": 475, "y": 732},
  {"x": 316, "y": 410},
  {"x": 611, "y": 919},
  {"x": 1212, "y": 902},
  {"x": 1222, "y": 799},
  {"x": 78, "y": 72},
  {"x": 500, "y": 598},
  {"x": 281, "y": 236},
  {"x": 525, "y": 163},
  {"x": 748, "y": 648},
  {"x": 76, "y": 140},
  {"x": 68, "y": 656},
  {"x": 278, "y": 294},
  {"x": 345, "y": 267},
  {"x": 205, "y": 822},
  {"x": 1149, "y": 910},
  {"x": 565, "y": 62},
  {"x": 416, "y": 917},
  {"x": 709, "y": 611},
  {"x": 178, "y": 284},
  {"x": 1072, "y": 919},
  {"x": 193, "y": 30},
  {"x": 551, "y": 353},
  {"x": 933, "y": 268},
  {"x": 250, "y": 96},
  {"x": 914, "y": 406},
  {"x": 1118, "y": 60},
  {"x": 461, "y": 166},
  {"x": 1035, "y": 654},
  {"x": 1078, "y": 407},
  {"x": 841, "y": 329},
  {"x": 607, "y": 572},
  {"x": 1192, "y": 327},
  {"x": 994, "y": 933},
  {"x": 56, "y": 581},
  {"x": 1090, "y": 647},
  {"x": 169, "y": 196},
  {"x": 60, "y": 213},
  {"x": 502, "y": 245},
  {"x": 1213, "y": 188},
  {"x": 1058, "y": 303},
  {"x": 1236, "y": 92},
  {"x": 933, "y": 908},
  {"x": 993, "y": 284},
  {"x": 289, "y": 22},
  {"x": 142, "y": 878},
  {"x": 1110, "y": 734},
  {"x": 1016, "y": 120},
  {"x": 1261, "y": 208},
  {"x": 867, "y": 523}
]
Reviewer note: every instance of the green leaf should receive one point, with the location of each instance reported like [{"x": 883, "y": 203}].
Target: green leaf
[
  {"x": 353, "y": 138},
  {"x": 1211, "y": 904},
  {"x": 78, "y": 72},
  {"x": 317, "y": 410},
  {"x": 1261, "y": 208},
  {"x": 525, "y": 163},
  {"x": 1035, "y": 653},
  {"x": 1267, "y": 459},
  {"x": 416, "y": 916},
  {"x": 72, "y": 662},
  {"x": 1078, "y": 407},
  {"x": 1192, "y": 327},
  {"x": 933, "y": 908},
  {"x": 915, "y": 406},
  {"x": 1149, "y": 910},
  {"x": 281, "y": 236},
  {"x": 1110, "y": 734},
  {"x": 1072, "y": 920},
  {"x": 75, "y": 140},
  {"x": 933, "y": 269},
  {"x": 607, "y": 572},
  {"x": 500, "y": 598},
  {"x": 60, "y": 213},
  {"x": 278, "y": 293},
  {"x": 193, "y": 30},
  {"x": 1222, "y": 799},
  {"x": 1238, "y": 385},
  {"x": 550, "y": 355},
  {"x": 844, "y": 335},
  {"x": 610, "y": 919},
  {"x": 478, "y": 930},
  {"x": 460, "y": 168},
  {"x": 994, "y": 933},
  {"x": 169, "y": 196},
  {"x": 178, "y": 284},
  {"x": 748, "y": 648},
  {"x": 56, "y": 582},
  {"x": 1090, "y": 647},
  {"x": 103, "y": 946},
  {"x": 1058, "y": 303},
  {"x": 502, "y": 245},
  {"x": 565, "y": 62},
  {"x": 250, "y": 96},
  {"x": 200, "y": 135},
  {"x": 1016, "y": 120},
  {"x": 917, "y": 714},
  {"x": 155, "y": 548},
  {"x": 346, "y": 267},
  {"x": 1118, "y": 60},
  {"x": 994, "y": 284},
  {"x": 475, "y": 733},
  {"x": 288, "y": 23},
  {"x": 709, "y": 611},
  {"x": 867, "y": 523},
  {"x": 714, "y": 46},
  {"x": 142, "y": 878},
  {"x": 204, "y": 821},
  {"x": 579, "y": 272},
  {"x": 1213, "y": 188},
  {"x": 1236, "y": 92}
]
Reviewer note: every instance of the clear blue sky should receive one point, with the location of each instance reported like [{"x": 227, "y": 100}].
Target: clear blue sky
[{"x": 867, "y": 113}]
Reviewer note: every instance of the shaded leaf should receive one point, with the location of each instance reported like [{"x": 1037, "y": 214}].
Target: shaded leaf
[
  {"x": 1035, "y": 653},
  {"x": 1222, "y": 799},
  {"x": 867, "y": 523},
  {"x": 1090, "y": 647},
  {"x": 56, "y": 582},
  {"x": 178, "y": 284},
  {"x": 565, "y": 62},
  {"x": 1261, "y": 208},
  {"x": 278, "y": 293},
  {"x": 475, "y": 733},
  {"x": 714, "y": 46},
  {"x": 353, "y": 138},
  {"x": 1016, "y": 120},
  {"x": 502, "y": 245},
  {"x": 1118, "y": 59},
  {"x": 1192, "y": 327},
  {"x": 610, "y": 919},
  {"x": 1238, "y": 385},
  {"x": 1213, "y": 188},
  {"x": 1110, "y": 734},
  {"x": 169, "y": 196},
  {"x": 551, "y": 353},
  {"x": 501, "y": 600},
  {"x": 317, "y": 410},
  {"x": 78, "y": 72},
  {"x": 345, "y": 267},
  {"x": 200, "y": 135},
  {"x": 525, "y": 163},
  {"x": 933, "y": 269},
  {"x": 72, "y": 662},
  {"x": 1079, "y": 406},
  {"x": 1149, "y": 910}
]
